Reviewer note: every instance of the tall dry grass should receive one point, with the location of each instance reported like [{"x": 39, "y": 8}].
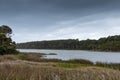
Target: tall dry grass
[
  {"x": 29, "y": 72},
  {"x": 11, "y": 68},
  {"x": 4, "y": 58}
]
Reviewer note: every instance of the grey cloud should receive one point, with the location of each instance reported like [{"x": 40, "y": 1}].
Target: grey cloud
[
  {"x": 46, "y": 16},
  {"x": 57, "y": 6},
  {"x": 66, "y": 9}
]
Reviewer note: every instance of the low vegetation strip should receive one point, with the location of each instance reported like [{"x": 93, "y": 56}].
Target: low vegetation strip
[{"x": 35, "y": 57}]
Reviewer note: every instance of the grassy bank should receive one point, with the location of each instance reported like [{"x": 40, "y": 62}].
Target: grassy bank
[
  {"x": 32, "y": 67},
  {"x": 35, "y": 57},
  {"x": 36, "y": 72}
]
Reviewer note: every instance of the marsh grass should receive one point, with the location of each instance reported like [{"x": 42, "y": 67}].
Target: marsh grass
[
  {"x": 27, "y": 72},
  {"x": 30, "y": 56},
  {"x": 68, "y": 65},
  {"x": 62, "y": 70},
  {"x": 37, "y": 57},
  {"x": 7, "y": 58},
  {"x": 79, "y": 61},
  {"x": 109, "y": 65}
]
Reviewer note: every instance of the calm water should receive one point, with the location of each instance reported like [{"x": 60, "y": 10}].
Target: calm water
[{"x": 79, "y": 54}]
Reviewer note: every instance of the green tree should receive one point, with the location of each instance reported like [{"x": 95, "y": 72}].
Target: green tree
[{"x": 7, "y": 46}]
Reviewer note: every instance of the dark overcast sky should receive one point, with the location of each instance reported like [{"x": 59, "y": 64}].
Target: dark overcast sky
[{"x": 33, "y": 20}]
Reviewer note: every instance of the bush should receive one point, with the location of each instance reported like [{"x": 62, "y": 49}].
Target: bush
[
  {"x": 7, "y": 50},
  {"x": 2, "y": 50}
]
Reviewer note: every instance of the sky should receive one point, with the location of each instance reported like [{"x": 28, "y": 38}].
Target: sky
[{"x": 37, "y": 20}]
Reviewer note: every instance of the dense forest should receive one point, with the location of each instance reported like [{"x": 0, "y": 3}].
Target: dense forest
[{"x": 110, "y": 43}]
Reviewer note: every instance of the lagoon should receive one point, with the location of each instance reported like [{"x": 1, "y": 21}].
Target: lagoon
[{"x": 110, "y": 57}]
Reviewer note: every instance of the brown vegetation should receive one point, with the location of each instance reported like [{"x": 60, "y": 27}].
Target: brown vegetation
[
  {"x": 27, "y": 72},
  {"x": 12, "y": 68}
]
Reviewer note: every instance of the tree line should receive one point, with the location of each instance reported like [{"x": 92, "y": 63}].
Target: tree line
[{"x": 110, "y": 43}]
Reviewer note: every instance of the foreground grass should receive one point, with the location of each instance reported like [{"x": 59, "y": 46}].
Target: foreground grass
[
  {"x": 32, "y": 67},
  {"x": 32, "y": 72}
]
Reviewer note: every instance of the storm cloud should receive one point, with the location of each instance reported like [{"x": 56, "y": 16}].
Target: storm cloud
[{"x": 60, "y": 19}]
